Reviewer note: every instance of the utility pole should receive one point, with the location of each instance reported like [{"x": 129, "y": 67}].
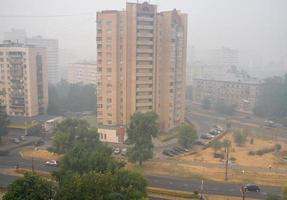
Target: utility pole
[
  {"x": 243, "y": 192},
  {"x": 226, "y": 162},
  {"x": 32, "y": 164},
  {"x": 201, "y": 190}
]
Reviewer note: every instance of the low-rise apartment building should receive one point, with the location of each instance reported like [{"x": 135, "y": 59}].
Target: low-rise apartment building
[
  {"x": 23, "y": 72},
  {"x": 240, "y": 91},
  {"x": 85, "y": 73}
]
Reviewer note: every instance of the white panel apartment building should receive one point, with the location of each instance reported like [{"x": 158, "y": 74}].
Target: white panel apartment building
[
  {"x": 52, "y": 49},
  {"x": 85, "y": 73}
]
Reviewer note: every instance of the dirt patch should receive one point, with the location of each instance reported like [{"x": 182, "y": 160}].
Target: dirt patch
[{"x": 39, "y": 154}]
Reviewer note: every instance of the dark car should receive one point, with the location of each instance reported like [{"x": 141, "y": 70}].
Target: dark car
[
  {"x": 252, "y": 188},
  {"x": 167, "y": 153},
  {"x": 178, "y": 149},
  {"x": 39, "y": 142}
]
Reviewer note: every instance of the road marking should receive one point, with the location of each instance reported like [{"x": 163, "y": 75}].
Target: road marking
[{"x": 170, "y": 182}]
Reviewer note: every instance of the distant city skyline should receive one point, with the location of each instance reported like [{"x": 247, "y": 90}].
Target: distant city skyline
[{"x": 256, "y": 27}]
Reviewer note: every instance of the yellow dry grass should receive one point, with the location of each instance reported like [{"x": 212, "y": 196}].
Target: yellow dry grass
[
  {"x": 40, "y": 154},
  {"x": 217, "y": 174},
  {"x": 241, "y": 154}
]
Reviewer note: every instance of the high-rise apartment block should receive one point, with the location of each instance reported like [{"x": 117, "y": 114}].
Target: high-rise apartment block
[
  {"x": 141, "y": 67},
  {"x": 23, "y": 73},
  {"x": 83, "y": 72},
  {"x": 52, "y": 49}
]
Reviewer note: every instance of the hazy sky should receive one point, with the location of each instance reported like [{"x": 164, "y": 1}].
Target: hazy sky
[{"x": 258, "y": 27}]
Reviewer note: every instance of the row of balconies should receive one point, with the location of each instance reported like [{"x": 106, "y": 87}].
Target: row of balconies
[{"x": 146, "y": 19}]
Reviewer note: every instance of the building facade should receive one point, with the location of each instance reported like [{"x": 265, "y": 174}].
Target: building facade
[
  {"x": 85, "y": 73},
  {"x": 24, "y": 79},
  {"x": 52, "y": 49},
  {"x": 141, "y": 58},
  {"x": 238, "y": 91}
]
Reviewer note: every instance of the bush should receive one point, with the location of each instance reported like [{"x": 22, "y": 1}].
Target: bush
[
  {"x": 272, "y": 197},
  {"x": 251, "y": 141},
  {"x": 218, "y": 155},
  {"x": 278, "y": 147},
  {"x": 264, "y": 151},
  {"x": 233, "y": 159},
  {"x": 239, "y": 138}
]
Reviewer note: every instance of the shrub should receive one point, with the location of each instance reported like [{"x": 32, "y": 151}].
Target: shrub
[
  {"x": 233, "y": 159},
  {"x": 218, "y": 155},
  {"x": 251, "y": 153}
]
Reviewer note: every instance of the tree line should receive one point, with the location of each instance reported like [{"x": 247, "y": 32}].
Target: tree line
[
  {"x": 67, "y": 97},
  {"x": 272, "y": 101}
]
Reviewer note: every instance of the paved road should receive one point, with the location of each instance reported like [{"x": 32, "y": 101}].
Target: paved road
[{"x": 209, "y": 187}]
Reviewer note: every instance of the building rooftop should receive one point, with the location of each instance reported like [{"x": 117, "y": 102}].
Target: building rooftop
[
  {"x": 9, "y": 43},
  {"x": 232, "y": 75}
]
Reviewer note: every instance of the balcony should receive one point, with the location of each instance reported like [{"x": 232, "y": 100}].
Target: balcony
[
  {"x": 144, "y": 89},
  {"x": 144, "y": 50},
  {"x": 144, "y": 82},
  {"x": 145, "y": 27},
  {"x": 148, "y": 35},
  {"x": 144, "y": 104},
  {"x": 145, "y": 19},
  {"x": 144, "y": 74},
  {"x": 142, "y": 66},
  {"x": 143, "y": 96},
  {"x": 143, "y": 42},
  {"x": 146, "y": 58}
]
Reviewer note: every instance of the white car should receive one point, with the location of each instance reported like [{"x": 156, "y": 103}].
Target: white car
[
  {"x": 53, "y": 163},
  {"x": 117, "y": 151}
]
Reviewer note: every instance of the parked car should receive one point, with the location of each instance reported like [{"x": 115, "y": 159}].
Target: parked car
[
  {"x": 124, "y": 151},
  {"x": 39, "y": 142},
  {"x": 207, "y": 136},
  {"x": 200, "y": 142},
  {"x": 251, "y": 188},
  {"x": 22, "y": 137},
  {"x": 214, "y": 132},
  {"x": 53, "y": 163},
  {"x": 117, "y": 151},
  {"x": 178, "y": 149},
  {"x": 167, "y": 153},
  {"x": 15, "y": 140},
  {"x": 174, "y": 152},
  {"x": 217, "y": 127}
]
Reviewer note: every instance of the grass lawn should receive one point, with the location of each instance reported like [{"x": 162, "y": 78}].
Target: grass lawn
[{"x": 39, "y": 154}]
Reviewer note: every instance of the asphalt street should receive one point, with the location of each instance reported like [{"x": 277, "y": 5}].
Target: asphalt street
[{"x": 210, "y": 187}]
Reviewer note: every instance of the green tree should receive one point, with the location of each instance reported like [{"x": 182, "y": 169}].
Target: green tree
[
  {"x": 71, "y": 132},
  {"x": 65, "y": 97},
  {"x": 3, "y": 121},
  {"x": 239, "y": 138},
  {"x": 80, "y": 160},
  {"x": 272, "y": 197},
  {"x": 272, "y": 99},
  {"x": 141, "y": 129},
  {"x": 216, "y": 145},
  {"x": 226, "y": 143},
  {"x": 187, "y": 135},
  {"x": 122, "y": 185},
  {"x": 30, "y": 187}
]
